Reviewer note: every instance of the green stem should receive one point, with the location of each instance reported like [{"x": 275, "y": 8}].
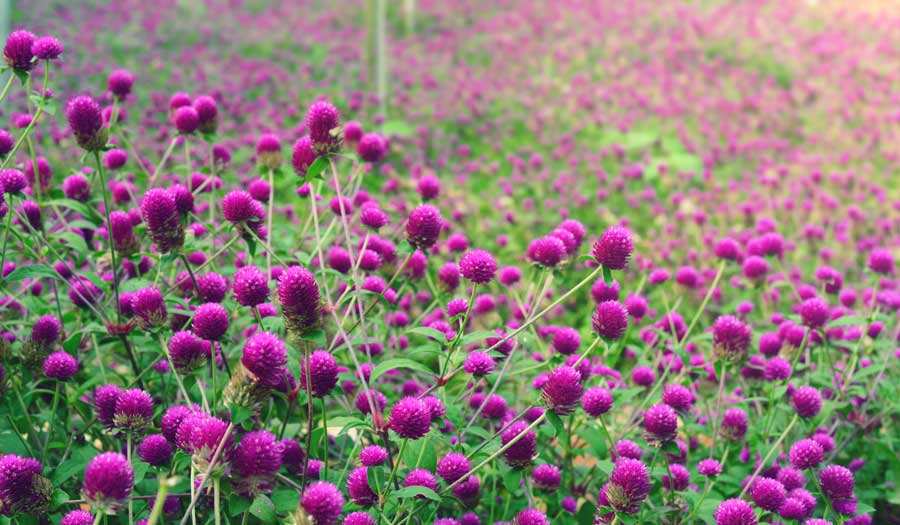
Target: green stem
[
  {"x": 52, "y": 416},
  {"x": 6, "y": 87},
  {"x": 160, "y": 500}
]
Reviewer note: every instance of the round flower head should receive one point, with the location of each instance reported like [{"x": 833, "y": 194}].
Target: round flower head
[
  {"x": 453, "y": 467},
  {"x": 660, "y": 423},
  {"x": 881, "y": 261},
  {"x": 76, "y": 187},
  {"x": 18, "y": 50},
  {"x": 105, "y": 399},
  {"x": 531, "y": 517},
  {"x": 173, "y": 417},
  {"x": 372, "y": 147},
  {"x": 410, "y": 418},
  {"x": 358, "y": 518},
  {"x": 210, "y": 321},
  {"x": 596, "y": 401},
  {"x": 678, "y": 397},
  {"x": 156, "y": 450},
  {"x": 429, "y": 187},
  {"x": 709, "y": 467},
  {"x": 160, "y": 213},
  {"x": 373, "y": 455},
  {"x": 735, "y": 512},
  {"x": 299, "y": 297},
  {"x": 45, "y": 331},
  {"x": 610, "y": 319},
  {"x": 22, "y": 488},
  {"x": 358, "y": 488},
  {"x": 614, "y": 248},
  {"x": 814, "y": 312},
  {"x": 256, "y": 462},
  {"x": 807, "y": 401},
  {"x": 12, "y": 181},
  {"x": 353, "y": 131},
  {"x": 420, "y": 478},
  {"x": 212, "y": 287},
  {"x": 323, "y": 123},
  {"x": 60, "y": 365},
  {"x": 791, "y": 478},
  {"x": 207, "y": 113},
  {"x": 364, "y": 403},
  {"x": 149, "y": 306},
  {"x": 323, "y": 502},
  {"x": 629, "y": 484},
  {"x": 424, "y": 226},
  {"x": 546, "y": 477},
  {"x": 86, "y": 121},
  {"x": 119, "y": 83},
  {"x": 777, "y": 369},
  {"x": 77, "y": 517},
  {"x": 47, "y": 48},
  {"x": 734, "y": 424},
  {"x": 566, "y": 340},
  {"x": 523, "y": 451},
  {"x": 806, "y": 454},
  {"x": 187, "y": 351},
  {"x": 265, "y": 356},
  {"x": 186, "y": 120},
  {"x": 479, "y": 364},
  {"x": 547, "y": 251},
  {"x": 108, "y": 480},
  {"x": 371, "y": 216},
  {"x": 563, "y": 390},
  {"x": 302, "y": 155},
  {"x": 134, "y": 410},
  {"x": 836, "y": 482},
  {"x": 478, "y": 266},
  {"x": 7, "y": 142},
  {"x": 768, "y": 494},
  {"x": 321, "y": 372},
  {"x": 677, "y": 479},
  {"x": 121, "y": 230},
  {"x": 731, "y": 338},
  {"x": 268, "y": 151}
]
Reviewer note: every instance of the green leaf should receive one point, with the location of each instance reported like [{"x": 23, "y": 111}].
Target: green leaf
[
  {"x": 586, "y": 513},
  {"x": 30, "y": 272},
  {"x": 415, "y": 490},
  {"x": 239, "y": 414},
  {"x": 512, "y": 479},
  {"x": 346, "y": 423},
  {"x": 607, "y": 275},
  {"x": 849, "y": 320},
  {"x": 557, "y": 423},
  {"x": 428, "y": 332},
  {"x": 59, "y": 497},
  {"x": 22, "y": 75},
  {"x": 285, "y": 500},
  {"x": 315, "y": 169},
  {"x": 420, "y": 453},
  {"x": 11, "y": 444},
  {"x": 263, "y": 508},
  {"x": 392, "y": 364}
]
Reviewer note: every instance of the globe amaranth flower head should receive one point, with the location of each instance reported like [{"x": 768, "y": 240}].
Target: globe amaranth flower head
[
  {"x": 320, "y": 373},
  {"x": 807, "y": 401},
  {"x": 46, "y": 331},
  {"x": 156, "y": 450},
  {"x": 105, "y": 399},
  {"x": 806, "y": 454},
  {"x": 12, "y": 181},
  {"x": 119, "y": 83},
  {"x": 359, "y": 518},
  {"x": 734, "y": 424},
  {"x": 546, "y": 477},
  {"x": 134, "y": 410},
  {"x": 187, "y": 351},
  {"x": 709, "y": 467},
  {"x": 531, "y": 517},
  {"x": 372, "y": 147},
  {"x": 108, "y": 481},
  {"x": 678, "y": 397},
  {"x": 251, "y": 287},
  {"x": 547, "y": 251},
  {"x": 610, "y": 320},
  {"x": 734, "y": 512},
  {"x": 302, "y": 155},
  {"x": 121, "y": 231},
  {"x": 22, "y": 488},
  {"x": 563, "y": 390},
  {"x": 86, "y": 122},
  {"x": 18, "y": 50},
  {"x": 149, "y": 307},
  {"x": 628, "y": 486},
  {"x": 60, "y": 365},
  {"x": 660, "y": 423},
  {"x": 373, "y": 455},
  {"x": 256, "y": 462},
  {"x": 323, "y": 123},
  {"x": 210, "y": 321},
  {"x": 321, "y": 501},
  {"x": 479, "y": 364},
  {"x": 814, "y": 312},
  {"x": 298, "y": 294},
  {"x": 836, "y": 482},
  {"x": 731, "y": 338},
  {"x": 881, "y": 261},
  {"x": 160, "y": 213},
  {"x": 478, "y": 266},
  {"x": 614, "y": 248},
  {"x": 453, "y": 467},
  {"x": 265, "y": 356},
  {"x": 768, "y": 493},
  {"x": 596, "y": 401},
  {"x": 187, "y": 121},
  {"x": 358, "y": 488},
  {"x": 47, "y": 48},
  {"x": 424, "y": 226},
  {"x": 268, "y": 151},
  {"x": 410, "y": 418},
  {"x": 523, "y": 451},
  {"x": 77, "y": 517}
]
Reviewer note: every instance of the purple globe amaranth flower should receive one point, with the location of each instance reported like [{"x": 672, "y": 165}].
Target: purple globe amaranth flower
[
  {"x": 47, "y": 48},
  {"x": 531, "y": 517},
  {"x": 149, "y": 306},
  {"x": 119, "y": 83},
  {"x": 251, "y": 287},
  {"x": 364, "y": 402},
  {"x": 371, "y": 216},
  {"x": 547, "y": 251},
  {"x": 256, "y": 462},
  {"x": 7, "y": 142},
  {"x": 105, "y": 399},
  {"x": 424, "y": 226},
  {"x": 420, "y": 478},
  {"x": 734, "y": 512},
  {"x": 614, "y": 248},
  {"x": 187, "y": 351},
  {"x": 77, "y": 517},
  {"x": 22, "y": 488},
  {"x": 207, "y": 113},
  {"x": 298, "y": 294},
  {"x": 265, "y": 356},
  {"x": 734, "y": 424},
  {"x": 563, "y": 390},
  {"x": 836, "y": 482},
  {"x": 134, "y": 410},
  {"x": 807, "y": 401},
  {"x": 709, "y": 467},
  {"x": 115, "y": 158},
  {"x": 173, "y": 417},
  {"x": 353, "y": 131},
  {"x": 121, "y": 231},
  {"x": 768, "y": 494},
  {"x": 373, "y": 455},
  {"x": 628, "y": 486},
  {"x": 678, "y": 397},
  {"x": 566, "y": 340},
  {"x": 478, "y": 266},
  {"x": 302, "y": 155},
  {"x": 186, "y": 119},
  {"x": 546, "y": 477},
  {"x": 453, "y": 467},
  {"x": 806, "y": 454},
  {"x": 358, "y": 488},
  {"x": 12, "y": 181},
  {"x": 60, "y": 365},
  {"x": 108, "y": 481},
  {"x": 677, "y": 479},
  {"x": 660, "y": 423},
  {"x": 76, "y": 187},
  {"x": 322, "y": 502},
  {"x": 212, "y": 287},
  {"x": 881, "y": 261},
  {"x": 596, "y": 401},
  {"x": 46, "y": 331},
  {"x": 160, "y": 213},
  {"x": 523, "y": 451},
  {"x": 371, "y": 147},
  {"x": 86, "y": 121},
  {"x": 610, "y": 320},
  {"x": 410, "y": 418},
  {"x": 321, "y": 370},
  {"x": 479, "y": 364},
  {"x": 814, "y": 312},
  {"x": 731, "y": 338},
  {"x": 268, "y": 151},
  {"x": 358, "y": 518},
  {"x": 323, "y": 123},
  {"x": 156, "y": 450},
  {"x": 18, "y": 52},
  {"x": 210, "y": 321}
]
